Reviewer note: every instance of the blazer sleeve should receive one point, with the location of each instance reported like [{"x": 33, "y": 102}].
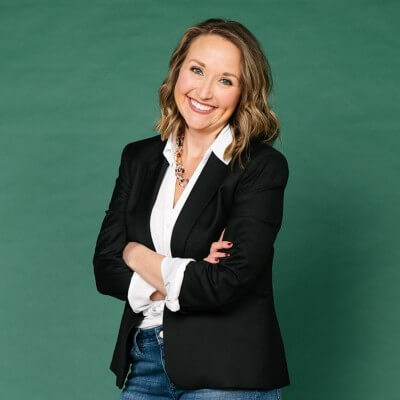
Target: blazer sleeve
[
  {"x": 252, "y": 226},
  {"x": 112, "y": 274}
]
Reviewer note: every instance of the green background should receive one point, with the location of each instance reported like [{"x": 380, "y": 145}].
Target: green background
[{"x": 79, "y": 80}]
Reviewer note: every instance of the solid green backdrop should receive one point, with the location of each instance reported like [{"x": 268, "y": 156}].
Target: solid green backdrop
[{"x": 79, "y": 80}]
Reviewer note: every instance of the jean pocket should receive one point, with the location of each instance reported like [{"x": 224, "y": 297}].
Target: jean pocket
[{"x": 135, "y": 351}]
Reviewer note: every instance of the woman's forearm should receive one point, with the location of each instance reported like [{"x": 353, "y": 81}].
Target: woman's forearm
[{"x": 145, "y": 262}]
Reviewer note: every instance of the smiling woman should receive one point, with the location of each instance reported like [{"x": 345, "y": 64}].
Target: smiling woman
[
  {"x": 188, "y": 238},
  {"x": 204, "y": 87}
]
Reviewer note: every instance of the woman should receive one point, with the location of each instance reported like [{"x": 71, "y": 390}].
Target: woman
[{"x": 187, "y": 240}]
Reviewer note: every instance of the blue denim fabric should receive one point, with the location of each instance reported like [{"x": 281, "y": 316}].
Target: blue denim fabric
[{"x": 148, "y": 380}]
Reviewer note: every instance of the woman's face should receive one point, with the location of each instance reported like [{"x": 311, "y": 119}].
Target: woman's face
[{"x": 209, "y": 75}]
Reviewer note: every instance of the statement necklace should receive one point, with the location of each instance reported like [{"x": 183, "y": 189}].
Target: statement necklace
[{"x": 179, "y": 170}]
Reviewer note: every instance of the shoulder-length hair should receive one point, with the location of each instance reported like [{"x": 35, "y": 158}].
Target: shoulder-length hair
[{"x": 252, "y": 118}]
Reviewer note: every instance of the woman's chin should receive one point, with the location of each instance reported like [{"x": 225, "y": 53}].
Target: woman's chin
[{"x": 197, "y": 125}]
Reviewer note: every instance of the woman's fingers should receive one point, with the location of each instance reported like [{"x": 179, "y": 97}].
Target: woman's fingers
[
  {"x": 219, "y": 254},
  {"x": 211, "y": 260},
  {"x": 213, "y": 257},
  {"x": 224, "y": 244}
]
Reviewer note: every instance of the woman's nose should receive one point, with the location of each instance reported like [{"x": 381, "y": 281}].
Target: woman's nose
[{"x": 205, "y": 89}]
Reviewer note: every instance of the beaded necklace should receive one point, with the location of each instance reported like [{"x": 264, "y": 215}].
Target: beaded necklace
[{"x": 179, "y": 170}]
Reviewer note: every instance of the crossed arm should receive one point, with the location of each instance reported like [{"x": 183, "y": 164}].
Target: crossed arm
[
  {"x": 146, "y": 262},
  {"x": 254, "y": 222}
]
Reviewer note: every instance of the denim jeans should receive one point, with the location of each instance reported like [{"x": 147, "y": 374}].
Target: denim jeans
[{"x": 147, "y": 378}]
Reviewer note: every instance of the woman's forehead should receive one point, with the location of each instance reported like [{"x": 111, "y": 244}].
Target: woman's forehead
[{"x": 214, "y": 51}]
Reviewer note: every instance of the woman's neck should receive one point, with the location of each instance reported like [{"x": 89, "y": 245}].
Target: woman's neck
[{"x": 195, "y": 144}]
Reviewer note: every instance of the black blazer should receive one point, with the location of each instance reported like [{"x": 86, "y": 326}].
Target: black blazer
[{"x": 226, "y": 333}]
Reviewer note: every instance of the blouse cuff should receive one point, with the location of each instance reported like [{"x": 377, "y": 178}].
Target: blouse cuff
[
  {"x": 139, "y": 293},
  {"x": 172, "y": 271}
]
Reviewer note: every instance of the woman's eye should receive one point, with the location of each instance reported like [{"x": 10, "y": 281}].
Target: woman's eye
[
  {"x": 193, "y": 68},
  {"x": 227, "y": 80}
]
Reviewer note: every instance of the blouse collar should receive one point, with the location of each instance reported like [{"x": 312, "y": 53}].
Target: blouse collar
[{"x": 221, "y": 142}]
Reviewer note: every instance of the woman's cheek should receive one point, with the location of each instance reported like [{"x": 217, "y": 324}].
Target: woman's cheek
[{"x": 183, "y": 83}]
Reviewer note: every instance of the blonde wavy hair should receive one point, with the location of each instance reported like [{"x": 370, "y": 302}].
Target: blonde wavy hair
[{"x": 252, "y": 118}]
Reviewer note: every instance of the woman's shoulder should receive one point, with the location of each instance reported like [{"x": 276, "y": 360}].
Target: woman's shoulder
[
  {"x": 145, "y": 149},
  {"x": 262, "y": 154},
  {"x": 265, "y": 166}
]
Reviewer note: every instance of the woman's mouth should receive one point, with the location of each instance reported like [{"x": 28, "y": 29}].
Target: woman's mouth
[{"x": 198, "y": 107}]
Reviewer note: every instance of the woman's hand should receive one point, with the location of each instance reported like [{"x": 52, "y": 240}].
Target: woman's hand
[
  {"x": 157, "y": 295},
  {"x": 215, "y": 247}
]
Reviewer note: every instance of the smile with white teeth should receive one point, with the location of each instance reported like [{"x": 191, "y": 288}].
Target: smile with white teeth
[{"x": 200, "y": 106}]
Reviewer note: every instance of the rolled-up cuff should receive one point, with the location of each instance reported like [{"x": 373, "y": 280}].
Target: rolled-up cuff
[
  {"x": 139, "y": 293},
  {"x": 172, "y": 271}
]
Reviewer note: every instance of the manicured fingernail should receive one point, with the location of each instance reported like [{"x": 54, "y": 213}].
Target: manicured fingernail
[
  {"x": 227, "y": 254},
  {"x": 230, "y": 243}
]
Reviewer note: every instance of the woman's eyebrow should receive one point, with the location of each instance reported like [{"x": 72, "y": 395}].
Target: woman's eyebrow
[{"x": 204, "y": 66}]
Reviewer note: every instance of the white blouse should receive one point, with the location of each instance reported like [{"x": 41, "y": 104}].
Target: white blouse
[{"x": 162, "y": 221}]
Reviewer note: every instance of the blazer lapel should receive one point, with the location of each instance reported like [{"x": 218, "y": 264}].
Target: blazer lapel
[{"x": 207, "y": 183}]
